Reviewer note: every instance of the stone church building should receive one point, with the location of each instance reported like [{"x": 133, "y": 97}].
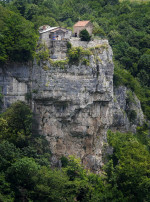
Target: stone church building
[
  {"x": 48, "y": 33},
  {"x": 80, "y": 25}
]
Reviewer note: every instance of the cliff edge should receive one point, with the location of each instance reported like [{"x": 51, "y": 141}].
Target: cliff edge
[{"x": 73, "y": 100}]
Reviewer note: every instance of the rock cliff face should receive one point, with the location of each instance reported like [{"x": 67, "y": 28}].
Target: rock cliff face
[
  {"x": 127, "y": 112},
  {"x": 74, "y": 105}
]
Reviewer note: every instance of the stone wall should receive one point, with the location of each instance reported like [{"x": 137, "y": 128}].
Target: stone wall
[{"x": 88, "y": 27}]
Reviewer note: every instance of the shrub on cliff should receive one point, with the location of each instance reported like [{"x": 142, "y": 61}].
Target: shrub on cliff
[
  {"x": 77, "y": 54},
  {"x": 84, "y": 35}
]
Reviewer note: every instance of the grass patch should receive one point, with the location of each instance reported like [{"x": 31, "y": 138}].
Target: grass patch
[{"x": 59, "y": 63}]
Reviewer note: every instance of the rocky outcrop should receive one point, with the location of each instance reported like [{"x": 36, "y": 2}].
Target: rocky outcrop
[
  {"x": 73, "y": 106},
  {"x": 127, "y": 112},
  {"x": 73, "y": 103},
  {"x": 14, "y": 82}
]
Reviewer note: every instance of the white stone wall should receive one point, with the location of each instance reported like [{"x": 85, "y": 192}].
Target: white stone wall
[
  {"x": 89, "y": 28},
  {"x": 78, "y": 30}
]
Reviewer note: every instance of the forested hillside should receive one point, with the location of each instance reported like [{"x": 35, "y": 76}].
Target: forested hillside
[
  {"x": 25, "y": 170},
  {"x": 27, "y": 175}
]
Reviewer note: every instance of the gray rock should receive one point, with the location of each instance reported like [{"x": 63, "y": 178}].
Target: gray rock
[
  {"x": 74, "y": 105},
  {"x": 126, "y": 103}
]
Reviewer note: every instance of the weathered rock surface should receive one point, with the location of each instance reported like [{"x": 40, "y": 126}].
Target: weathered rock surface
[
  {"x": 74, "y": 105},
  {"x": 14, "y": 82},
  {"x": 127, "y": 112}
]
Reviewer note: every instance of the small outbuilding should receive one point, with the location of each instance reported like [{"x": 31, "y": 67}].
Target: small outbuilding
[
  {"x": 80, "y": 25},
  {"x": 60, "y": 34},
  {"x": 54, "y": 33}
]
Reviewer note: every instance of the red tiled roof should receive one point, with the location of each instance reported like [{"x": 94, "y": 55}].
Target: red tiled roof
[{"x": 81, "y": 23}]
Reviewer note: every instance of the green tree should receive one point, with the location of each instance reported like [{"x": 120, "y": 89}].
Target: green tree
[
  {"x": 132, "y": 166},
  {"x": 84, "y": 35},
  {"x": 17, "y": 37},
  {"x": 97, "y": 30},
  {"x": 16, "y": 124},
  {"x": 23, "y": 176},
  {"x": 23, "y": 172},
  {"x": 6, "y": 194},
  {"x": 8, "y": 155},
  {"x": 4, "y": 128},
  {"x": 30, "y": 11},
  {"x": 40, "y": 20},
  {"x": 144, "y": 62},
  {"x": 50, "y": 185}
]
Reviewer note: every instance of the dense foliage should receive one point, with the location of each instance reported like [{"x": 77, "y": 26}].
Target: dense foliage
[
  {"x": 17, "y": 37},
  {"x": 26, "y": 173},
  {"x": 84, "y": 35},
  {"x": 130, "y": 166}
]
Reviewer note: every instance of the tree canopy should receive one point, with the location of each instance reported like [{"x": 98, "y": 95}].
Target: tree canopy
[
  {"x": 17, "y": 37},
  {"x": 84, "y": 35},
  {"x": 26, "y": 173}
]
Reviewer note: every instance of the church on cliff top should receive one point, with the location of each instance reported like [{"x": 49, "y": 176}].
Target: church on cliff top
[{"x": 58, "y": 33}]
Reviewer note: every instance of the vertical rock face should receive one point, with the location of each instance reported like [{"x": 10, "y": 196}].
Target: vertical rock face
[
  {"x": 127, "y": 112},
  {"x": 74, "y": 104},
  {"x": 14, "y": 83}
]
